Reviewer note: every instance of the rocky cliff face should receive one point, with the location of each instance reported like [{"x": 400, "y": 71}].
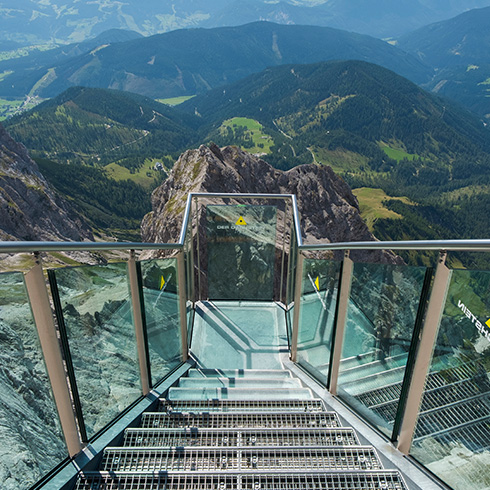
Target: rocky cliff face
[
  {"x": 329, "y": 211},
  {"x": 29, "y": 208}
]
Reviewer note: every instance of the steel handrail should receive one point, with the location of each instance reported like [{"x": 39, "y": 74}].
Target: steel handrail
[{"x": 478, "y": 245}]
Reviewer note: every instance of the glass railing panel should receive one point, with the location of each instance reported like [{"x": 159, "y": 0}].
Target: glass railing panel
[
  {"x": 452, "y": 436},
  {"x": 317, "y": 316},
  {"x": 381, "y": 317},
  {"x": 241, "y": 251},
  {"x": 161, "y": 303},
  {"x": 97, "y": 316},
  {"x": 31, "y": 440}
]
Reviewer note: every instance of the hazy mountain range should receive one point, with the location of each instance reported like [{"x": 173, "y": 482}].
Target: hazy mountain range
[
  {"x": 459, "y": 51},
  {"x": 67, "y": 21},
  {"x": 190, "y": 61}
]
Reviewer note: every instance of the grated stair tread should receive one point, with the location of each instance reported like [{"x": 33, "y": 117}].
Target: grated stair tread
[
  {"x": 214, "y": 405},
  {"x": 240, "y": 459},
  {"x": 365, "y": 480},
  {"x": 136, "y": 437},
  {"x": 240, "y": 420}
]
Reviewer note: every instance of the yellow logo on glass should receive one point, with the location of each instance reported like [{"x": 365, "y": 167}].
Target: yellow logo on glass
[{"x": 241, "y": 221}]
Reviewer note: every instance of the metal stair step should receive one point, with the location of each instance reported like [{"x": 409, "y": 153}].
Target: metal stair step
[
  {"x": 238, "y": 393},
  {"x": 336, "y": 480},
  {"x": 240, "y": 459},
  {"x": 238, "y": 373},
  {"x": 216, "y": 405},
  {"x": 256, "y": 420},
  {"x": 252, "y": 383},
  {"x": 135, "y": 437}
]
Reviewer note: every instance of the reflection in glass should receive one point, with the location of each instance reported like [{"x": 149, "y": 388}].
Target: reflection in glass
[
  {"x": 380, "y": 320},
  {"x": 452, "y": 437},
  {"x": 161, "y": 300},
  {"x": 317, "y": 315},
  {"x": 98, "y": 319},
  {"x": 241, "y": 251},
  {"x": 31, "y": 441}
]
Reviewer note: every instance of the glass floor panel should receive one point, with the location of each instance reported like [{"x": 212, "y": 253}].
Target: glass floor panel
[{"x": 239, "y": 335}]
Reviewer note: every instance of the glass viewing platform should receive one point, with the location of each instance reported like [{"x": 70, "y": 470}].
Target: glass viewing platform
[{"x": 238, "y": 320}]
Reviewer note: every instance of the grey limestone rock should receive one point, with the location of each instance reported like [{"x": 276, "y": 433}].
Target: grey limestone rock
[
  {"x": 29, "y": 207},
  {"x": 329, "y": 210}
]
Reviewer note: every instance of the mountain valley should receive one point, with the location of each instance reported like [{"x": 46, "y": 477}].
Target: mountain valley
[{"x": 373, "y": 127}]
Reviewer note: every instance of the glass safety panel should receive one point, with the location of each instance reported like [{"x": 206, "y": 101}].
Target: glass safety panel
[
  {"x": 452, "y": 437},
  {"x": 241, "y": 251},
  {"x": 31, "y": 440},
  {"x": 317, "y": 315},
  {"x": 98, "y": 318},
  {"x": 381, "y": 317},
  {"x": 161, "y": 300}
]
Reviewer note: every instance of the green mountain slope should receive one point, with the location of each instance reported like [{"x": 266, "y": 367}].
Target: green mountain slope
[
  {"x": 96, "y": 126},
  {"x": 187, "y": 62},
  {"x": 321, "y": 104},
  {"x": 375, "y": 128},
  {"x": 462, "y": 40},
  {"x": 459, "y": 50}
]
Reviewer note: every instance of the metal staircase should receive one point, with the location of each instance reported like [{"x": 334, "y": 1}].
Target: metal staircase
[{"x": 240, "y": 429}]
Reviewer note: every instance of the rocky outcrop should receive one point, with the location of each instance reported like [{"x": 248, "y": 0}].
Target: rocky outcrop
[
  {"x": 29, "y": 208},
  {"x": 329, "y": 211},
  {"x": 328, "y": 208}
]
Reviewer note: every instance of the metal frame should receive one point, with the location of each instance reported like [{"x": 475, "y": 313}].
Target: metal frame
[
  {"x": 44, "y": 320},
  {"x": 139, "y": 327},
  {"x": 53, "y": 358},
  {"x": 428, "y": 338},
  {"x": 341, "y": 320}
]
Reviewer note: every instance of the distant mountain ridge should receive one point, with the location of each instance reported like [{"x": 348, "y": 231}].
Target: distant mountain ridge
[
  {"x": 459, "y": 50},
  {"x": 187, "y": 62},
  {"x": 67, "y": 21}
]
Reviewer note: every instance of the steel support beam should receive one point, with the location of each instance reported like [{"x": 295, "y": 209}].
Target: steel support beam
[
  {"x": 428, "y": 336},
  {"x": 138, "y": 324},
  {"x": 341, "y": 320},
  {"x": 50, "y": 345},
  {"x": 298, "y": 285},
  {"x": 182, "y": 304}
]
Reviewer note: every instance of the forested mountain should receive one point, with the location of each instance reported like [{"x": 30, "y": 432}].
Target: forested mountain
[
  {"x": 459, "y": 50},
  {"x": 360, "y": 103},
  {"x": 187, "y": 62},
  {"x": 375, "y": 128},
  {"x": 85, "y": 125},
  {"x": 462, "y": 40},
  {"x": 74, "y": 137}
]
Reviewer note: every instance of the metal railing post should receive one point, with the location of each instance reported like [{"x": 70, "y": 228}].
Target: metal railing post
[
  {"x": 139, "y": 326},
  {"x": 297, "y": 301},
  {"x": 341, "y": 320},
  {"x": 53, "y": 358},
  {"x": 182, "y": 304},
  {"x": 428, "y": 336}
]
